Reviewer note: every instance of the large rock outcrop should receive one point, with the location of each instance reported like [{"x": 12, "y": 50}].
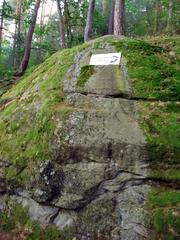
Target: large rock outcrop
[{"x": 94, "y": 180}]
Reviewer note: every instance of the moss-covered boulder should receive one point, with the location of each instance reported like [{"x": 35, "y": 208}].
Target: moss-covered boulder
[{"x": 91, "y": 149}]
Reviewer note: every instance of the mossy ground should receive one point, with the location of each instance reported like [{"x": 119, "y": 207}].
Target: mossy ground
[{"x": 155, "y": 74}]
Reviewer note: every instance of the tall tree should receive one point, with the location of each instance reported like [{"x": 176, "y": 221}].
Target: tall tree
[
  {"x": 1, "y": 23},
  {"x": 67, "y": 16},
  {"x": 104, "y": 7},
  {"x": 61, "y": 25},
  {"x": 89, "y": 22},
  {"x": 169, "y": 18},
  {"x": 119, "y": 18},
  {"x": 111, "y": 18},
  {"x": 17, "y": 34},
  {"x": 27, "y": 52},
  {"x": 157, "y": 13}
]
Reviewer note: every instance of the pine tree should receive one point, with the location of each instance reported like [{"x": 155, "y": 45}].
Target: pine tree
[
  {"x": 119, "y": 18},
  {"x": 27, "y": 52},
  {"x": 89, "y": 22}
]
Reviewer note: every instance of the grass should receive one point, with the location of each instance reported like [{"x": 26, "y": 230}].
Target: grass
[
  {"x": 16, "y": 217},
  {"x": 164, "y": 198},
  {"x": 165, "y": 215}
]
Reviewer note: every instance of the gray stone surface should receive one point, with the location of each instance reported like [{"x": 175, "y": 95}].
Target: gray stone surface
[
  {"x": 103, "y": 157},
  {"x": 2, "y": 202},
  {"x": 65, "y": 219},
  {"x": 112, "y": 80},
  {"x": 38, "y": 212},
  {"x": 96, "y": 182}
]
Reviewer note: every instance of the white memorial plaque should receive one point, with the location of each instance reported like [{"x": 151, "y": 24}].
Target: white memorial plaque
[{"x": 105, "y": 59}]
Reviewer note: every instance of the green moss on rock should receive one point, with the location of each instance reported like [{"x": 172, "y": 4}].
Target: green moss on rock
[
  {"x": 27, "y": 114},
  {"x": 165, "y": 215},
  {"x": 86, "y": 72},
  {"x": 169, "y": 174},
  {"x": 150, "y": 69},
  {"x": 160, "y": 120}
]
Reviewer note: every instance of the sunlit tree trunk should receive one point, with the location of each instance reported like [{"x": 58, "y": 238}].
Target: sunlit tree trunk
[
  {"x": 27, "y": 53},
  {"x": 111, "y": 18},
  {"x": 89, "y": 22},
  {"x": 119, "y": 18},
  {"x": 61, "y": 25},
  {"x": 104, "y": 7}
]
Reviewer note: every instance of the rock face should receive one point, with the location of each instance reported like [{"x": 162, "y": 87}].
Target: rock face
[
  {"x": 96, "y": 184},
  {"x": 104, "y": 160}
]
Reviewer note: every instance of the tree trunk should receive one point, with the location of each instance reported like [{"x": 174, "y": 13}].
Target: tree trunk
[
  {"x": 169, "y": 19},
  {"x": 89, "y": 22},
  {"x": 41, "y": 37},
  {"x": 157, "y": 20},
  {"x": 17, "y": 35},
  {"x": 27, "y": 53},
  {"x": 68, "y": 24},
  {"x": 61, "y": 25},
  {"x": 119, "y": 18},
  {"x": 111, "y": 18},
  {"x": 104, "y": 7},
  {"x": 1, "y": 25}
]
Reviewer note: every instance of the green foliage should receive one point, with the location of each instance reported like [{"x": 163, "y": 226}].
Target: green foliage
[
  {"x": 85, "y": 74},
  {"x": 144, "y": 17},
  {"x": 99, "y": 24},
  {"x": 4, "y": 60}
]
